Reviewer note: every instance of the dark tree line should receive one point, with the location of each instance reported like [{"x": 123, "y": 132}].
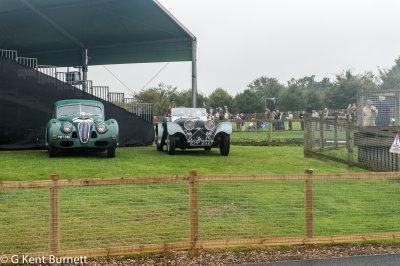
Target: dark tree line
[{"x": 292, "y": 96}]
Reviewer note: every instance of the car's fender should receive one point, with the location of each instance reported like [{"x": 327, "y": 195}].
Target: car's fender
[
  {"x": 173, "y": 128},
  {"x": 113, "y": 127},
  {"x": 225, "y": 127},
  {"x": 160, "y": 132}
]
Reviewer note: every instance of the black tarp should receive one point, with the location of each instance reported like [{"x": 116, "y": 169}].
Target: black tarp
[{"x": 26, "y": 104}]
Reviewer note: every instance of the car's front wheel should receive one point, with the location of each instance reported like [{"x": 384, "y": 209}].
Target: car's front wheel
[
  {"x": 160, "y": 146},
  {"x": 171, "y": 144},
  {"x": 225, "y": 145},
  {"x": 111, "y": 152},
  {"x": 53, "y": 152}
]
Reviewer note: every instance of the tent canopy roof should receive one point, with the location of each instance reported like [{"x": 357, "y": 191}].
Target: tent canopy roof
[{"x": 113, "y": 31}]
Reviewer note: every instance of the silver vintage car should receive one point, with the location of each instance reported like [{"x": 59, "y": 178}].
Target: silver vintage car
[{"x": 189, "y": 128}]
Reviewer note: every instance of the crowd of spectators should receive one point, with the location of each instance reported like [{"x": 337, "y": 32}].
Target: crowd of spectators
[{"x": 372, "y": 115}]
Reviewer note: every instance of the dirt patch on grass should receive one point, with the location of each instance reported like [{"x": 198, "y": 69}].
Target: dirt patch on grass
[{"x": 238, "y": 256}]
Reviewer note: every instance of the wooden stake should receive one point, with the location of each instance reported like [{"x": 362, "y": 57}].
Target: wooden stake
[
  {"x": 321, "y": 132},
  {"x": 307, "y": 136},
  {"x": 308, "y": 206},
  {"x": 194, "y": 212},
  {"x": 269, "y": 132},
  {"x": 55, "y": 243},
  {"x": 335, "y": 134}
]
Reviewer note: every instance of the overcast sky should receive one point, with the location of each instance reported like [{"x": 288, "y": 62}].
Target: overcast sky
[{"x": 241, "y": 40}]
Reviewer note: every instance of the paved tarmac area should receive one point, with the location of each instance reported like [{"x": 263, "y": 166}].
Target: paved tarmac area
[{"x": 377, "y": 260}]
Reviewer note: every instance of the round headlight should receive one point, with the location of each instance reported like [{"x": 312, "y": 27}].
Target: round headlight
[
  {"x": 210, "y": 124},
  {"x": 101, "y": 127},
  {"x": 189, "y": 124},
  {"x": 67, "y": 127}
]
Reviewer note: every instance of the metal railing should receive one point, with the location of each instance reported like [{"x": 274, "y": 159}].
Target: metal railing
[
  {"x": 143, "y": 110},
  {"x": 116, "y": 98},
  {"x": 9, "y": 54},
  {"x": 27, "y": 61},
  {"x": 47, "y": 70},
  {"x": 100, "y": 92}
]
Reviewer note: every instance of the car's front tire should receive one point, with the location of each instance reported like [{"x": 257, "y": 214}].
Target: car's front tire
[
  {"x": 225, "y": 145},
  {"x": 111, "y": 152},
  {"x": 53, "y": 152},
  {"x": 160, "y": 146},
  {"x": 171, "y": 145}
]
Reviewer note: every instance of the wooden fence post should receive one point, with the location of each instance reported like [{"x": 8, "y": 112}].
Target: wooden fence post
[
  {"x": 307, "y": 135},
  {"x": 349, "y": 140},
  {"x": 321, "y": 132},
  {"x": 55, "y": 235},
  {"x": 194, "y": 212},
  {"x": 335, "y": 133},
  {"x": 308, "y": 206},
  {"x": 269, "y": 132}
]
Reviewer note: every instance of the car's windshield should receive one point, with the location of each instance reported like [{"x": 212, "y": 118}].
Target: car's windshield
[
  {"x": 79, "y": 110},
  {"x": 189, "y": 112}
]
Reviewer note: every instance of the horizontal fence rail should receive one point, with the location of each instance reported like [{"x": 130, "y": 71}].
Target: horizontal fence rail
[{"x": 111, "y": 216}]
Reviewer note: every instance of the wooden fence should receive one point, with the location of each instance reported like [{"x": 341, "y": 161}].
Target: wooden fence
[
  {"x": 196, "y": 243},
  {"x": 364, "y": 147}
]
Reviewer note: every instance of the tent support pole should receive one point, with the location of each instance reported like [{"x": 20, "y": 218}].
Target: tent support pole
[
  {"x": 85, "y": 69},
  {"x": 194, "y": 74}
]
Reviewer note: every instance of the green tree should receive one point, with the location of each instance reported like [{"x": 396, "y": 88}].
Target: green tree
[
  {"x": 346, "y": 85},
  {"x": 265, "y": 87},
  {"x": 291, "y": 99},
  {"x": 248, "y": 102},
  {"x": 390, "y": 77},
  {"x": 220, "y": 98},
  {"x": 313, "y": 92},
  {"x": 184, "y": 98},
  {"x": 161, "y": 96}
]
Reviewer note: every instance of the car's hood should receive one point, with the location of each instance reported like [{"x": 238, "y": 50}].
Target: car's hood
[
  {"x": 198, "y": 121},
  {"x": 80, "y": 118}
]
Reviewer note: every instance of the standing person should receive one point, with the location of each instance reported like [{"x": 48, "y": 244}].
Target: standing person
[
  {"x": 169, "y": 111},
  {"x": 301, "y": 116},
  {"x": 242, "y": 117},
  {"x": 221, "y": 113},
  {"x": 282, "y": 124},
  {"x": 212, "y": 112},
  {"x": 290, "y": 117},
  {"x": 237, "y": 118},
  {"x": 276, "y": 117},
  {"x": 226, "y": 116},
  {"x": 326, "y": 114},
  {"x": 309, "y": 110},
  {"x": 315, "y": 114},
  {"x": 369, "y": 114},
  {"x": 383, "y": 119},
  {"x": 353, "y": 111},
  {"x": 267, "y": 113}
]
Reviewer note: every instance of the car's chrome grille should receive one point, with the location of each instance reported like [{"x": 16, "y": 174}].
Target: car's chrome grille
[
  {"x": 199, "y": 134},
  {"x": 199, "y": 123},
  {"x": 84, "y": 130}
]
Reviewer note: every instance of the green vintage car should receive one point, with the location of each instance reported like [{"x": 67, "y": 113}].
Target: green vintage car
[{"x": 79, "y": 124}]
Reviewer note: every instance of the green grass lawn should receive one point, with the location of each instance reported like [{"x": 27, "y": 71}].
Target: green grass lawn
[
  {"x": 104, "y": 216},
  {"x": 146, "y": 161}
]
